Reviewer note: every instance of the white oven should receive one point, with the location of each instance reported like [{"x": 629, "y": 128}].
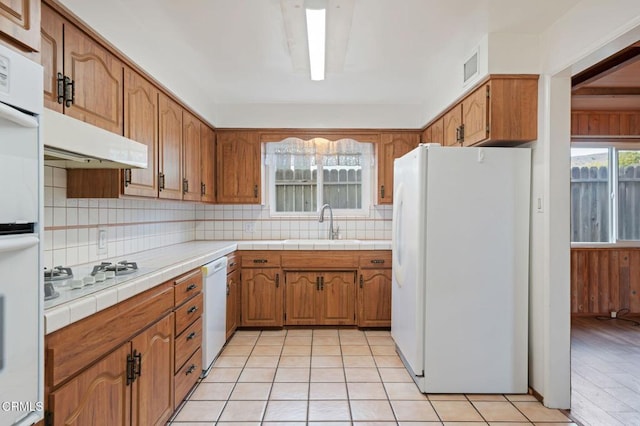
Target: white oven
[{"x": 21, "y": 286}]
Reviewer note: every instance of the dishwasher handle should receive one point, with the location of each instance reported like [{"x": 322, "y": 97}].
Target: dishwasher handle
[{"x": 215, "y": 266}]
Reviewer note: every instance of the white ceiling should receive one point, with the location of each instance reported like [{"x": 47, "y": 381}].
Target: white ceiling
[{"x": 231, "y": 53}]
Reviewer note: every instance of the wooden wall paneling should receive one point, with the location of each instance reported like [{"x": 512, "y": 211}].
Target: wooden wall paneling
[
  {"x": 604, "y": 284},
  {"x": 574, "y": 281},
  {"x": 614, "y": 281},
  {"x": 583, "y": 287},
  {"x": 634, "y": 281},
  {"x": 594, "y": 280},
  {"x": 51, "y": 55},
  {"x": 426, "y": 135},
  {"x": 625, "y": 279}
]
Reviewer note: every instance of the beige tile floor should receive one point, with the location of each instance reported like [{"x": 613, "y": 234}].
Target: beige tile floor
[{"x": 336, "y": 377}]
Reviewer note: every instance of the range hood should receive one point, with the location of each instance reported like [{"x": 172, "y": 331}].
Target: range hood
[{"x": 73, "y": 144}]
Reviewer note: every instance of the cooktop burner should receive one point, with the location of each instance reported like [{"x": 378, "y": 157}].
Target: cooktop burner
[
  {"x": 57, "y": 273},
  {"x": 121, "y": 268}
]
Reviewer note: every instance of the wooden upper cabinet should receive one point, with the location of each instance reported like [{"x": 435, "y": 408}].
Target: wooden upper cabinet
[
  {"x": 191, "y": 183},
  {"x": 95, "y": 76},
  {"x": 51, "y": 56},
  {"x": 170, "y": 149},
  {"x": 474, "y": 116},
  {"x": 207, "y": 169},
  {"x": 20, "y": 23},
  {"x": 433, "y": 133},
  {"x": 451, "y": 126},
  {"x": 437, "y": 132},
  {"x": 512, "y": 108},
  {"x": 238, "y": 167},
  {"x": 97, "y": 81},
  {"x": 141, "y": 125},
  {"x": 390, "y": 147}
]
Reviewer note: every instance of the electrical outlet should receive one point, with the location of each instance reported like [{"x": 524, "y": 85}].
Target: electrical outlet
[
  {"x": 102, "y": 241},
  {"x": 249, "y": 227},
  {"x": 614, "y": 314}
]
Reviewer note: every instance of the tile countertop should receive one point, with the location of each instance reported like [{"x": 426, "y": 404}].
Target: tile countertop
[{"x": 159, "y": 265}]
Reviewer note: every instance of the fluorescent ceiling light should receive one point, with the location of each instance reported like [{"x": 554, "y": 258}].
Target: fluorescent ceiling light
[{"x": 316, "y": 28}]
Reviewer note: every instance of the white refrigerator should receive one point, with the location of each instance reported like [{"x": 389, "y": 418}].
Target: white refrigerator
[{"x": 460, "y": 267}]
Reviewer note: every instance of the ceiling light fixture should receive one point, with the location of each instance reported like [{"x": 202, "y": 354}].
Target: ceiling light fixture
[{"x": 316, "y": 14}]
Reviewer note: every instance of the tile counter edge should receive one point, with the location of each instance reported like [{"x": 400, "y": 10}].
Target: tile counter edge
[{"x": 190, "y": 256}]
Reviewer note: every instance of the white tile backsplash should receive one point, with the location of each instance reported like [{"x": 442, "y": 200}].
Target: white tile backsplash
[{"x": 135, "y": 225}]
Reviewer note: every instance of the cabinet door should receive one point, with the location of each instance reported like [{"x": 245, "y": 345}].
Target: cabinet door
[
  {"x": 392, "y": 146},
  {"x": 20, "y": 23},
  {"x": 374, "y": 298},
  {"x": 141, "y": 125},
  {"x": 301, "y": 298},
  {"x": 451, "y": 123},
  {"x": 153, "y": 388},
  {"x": 437, "y": 131},
  {"x": 233, "y": 300},
  {"x": 170, "y": 146},
  {"x": 337, "y": 292},
  {"x": 238, "y": 167},
  {"x": 208, "y": 151},
  {"x": 191, "y": 154},
  {"x": 97, "y": 77},
  {"x": 426, "y": 135},
  {"x": 98, "y": 396},
  {"x": 475, "y": 115},
  {"x": 51, "y": 56},
  {"x": 261, "y": 297}
]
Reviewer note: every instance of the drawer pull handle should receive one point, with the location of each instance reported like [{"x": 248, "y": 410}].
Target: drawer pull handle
[
  {"x": 192, "y": 335},
  {"x": 361, "y": 281},
  {"x": 191, "y": 369},
  {"x": 232, "y": 264},
  {"x": 277, "y": 280},
  {"x": 192, "y": 287},
  {"x": 377, "y": 261},
  {"x": 260, "y": 260},
  {"x": 192, "y": 309}
]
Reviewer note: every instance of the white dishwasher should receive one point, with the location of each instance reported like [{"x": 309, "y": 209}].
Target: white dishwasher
[{"x": 215, "y": 311}]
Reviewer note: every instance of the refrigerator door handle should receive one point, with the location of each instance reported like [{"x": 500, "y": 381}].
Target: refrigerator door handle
[{"x": 396, "y": 251}]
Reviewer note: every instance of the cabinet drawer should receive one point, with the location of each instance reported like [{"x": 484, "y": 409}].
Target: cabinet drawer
[
  {"x": 188, "y": 342},
  {"x": 376, "y": 260},
  {"x": 188, "y": 286},
  {"x": 232, "y": 263},
  {"x": 187, "y": 377},
  {"x": 188, "y": 313},
  {"x": 260, "y": 260}
]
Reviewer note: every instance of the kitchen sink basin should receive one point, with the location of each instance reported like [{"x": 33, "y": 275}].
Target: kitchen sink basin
[{"x": 322, "y": 241}]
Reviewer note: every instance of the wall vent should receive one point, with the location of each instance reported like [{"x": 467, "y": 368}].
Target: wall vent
[{"x": 471, "y": 67}]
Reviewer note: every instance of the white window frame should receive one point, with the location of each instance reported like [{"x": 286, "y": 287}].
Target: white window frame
[
  {"x": 612, "y": 149},
  {"x": 368, "y": 164}
]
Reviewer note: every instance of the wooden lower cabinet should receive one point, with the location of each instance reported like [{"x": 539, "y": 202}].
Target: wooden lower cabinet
[
  {"x": 233, "y": 302},
  {"x": 131, "y": 385},
  {"x": 374, "y": 298},
  {"x": 261, "y": 297},
  {"x": 320, "y": 298},
  {"x": 153, "y": 387},
  {"x": 98, "y": 396},
  {"x": 130, "y": 364}
]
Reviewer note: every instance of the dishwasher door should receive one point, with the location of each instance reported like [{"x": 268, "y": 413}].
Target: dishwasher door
[{"x": 215, "y": 311}]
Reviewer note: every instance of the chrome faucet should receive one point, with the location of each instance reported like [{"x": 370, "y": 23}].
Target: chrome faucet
[{"x": 321, "y": 219}]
